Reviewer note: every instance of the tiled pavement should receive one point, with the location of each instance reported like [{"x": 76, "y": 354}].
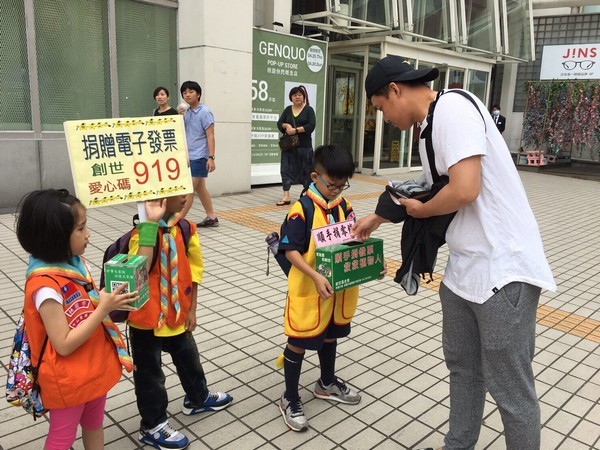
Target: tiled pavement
[{"x": 393, "y": 356}]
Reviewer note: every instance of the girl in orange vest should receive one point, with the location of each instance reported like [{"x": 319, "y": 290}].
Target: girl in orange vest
[{"x": 84, "y": 353}]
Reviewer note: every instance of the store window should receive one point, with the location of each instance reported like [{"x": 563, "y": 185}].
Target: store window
[
  {"x": 146, "y": 55},
  {"x": 457, "y": 79},
  {"x": 477, "y": 83},
  {"x": 15, "y": 105},
  {"x": 480, "y": 22},
  {"x": 72, "y": 57}
]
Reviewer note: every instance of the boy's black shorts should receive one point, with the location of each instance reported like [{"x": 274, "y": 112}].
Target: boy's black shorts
[{"x": 333, "y": 331}]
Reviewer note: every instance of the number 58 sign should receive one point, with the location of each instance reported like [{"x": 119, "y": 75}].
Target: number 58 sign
[{"x": 128, "y": 159}]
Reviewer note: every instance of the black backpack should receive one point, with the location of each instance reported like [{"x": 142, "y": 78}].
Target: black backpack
[{"x": 121, "y": 245}]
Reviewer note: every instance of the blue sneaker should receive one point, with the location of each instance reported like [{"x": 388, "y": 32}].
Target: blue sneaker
[
  {"x": 164, "y": 437},
  {"x": 215, "y": 401}
]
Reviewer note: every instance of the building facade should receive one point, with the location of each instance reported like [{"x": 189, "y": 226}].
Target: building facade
[{"x": 63, "y": 60}]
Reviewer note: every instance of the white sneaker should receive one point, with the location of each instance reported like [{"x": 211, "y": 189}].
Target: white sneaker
[
  {"x": 164, "y": 437},
  {"x": 293, "y": 414}
]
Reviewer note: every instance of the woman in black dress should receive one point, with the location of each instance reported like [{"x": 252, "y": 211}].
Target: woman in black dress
[
  {"x": 161, "y": 95},
  {"x": 296, "y": 165}
]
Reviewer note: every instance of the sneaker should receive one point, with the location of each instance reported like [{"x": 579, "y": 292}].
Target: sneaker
[
  {"x": 215, "y": 401},
  {"x": 293, "y": 414},
  {"x": 208, "y": 222},
  {"x": 164, "y": 437},
  {"x": 337, "y": 391}
]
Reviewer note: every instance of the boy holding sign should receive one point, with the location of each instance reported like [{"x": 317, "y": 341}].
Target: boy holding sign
[{"x": 166, "y": 321}]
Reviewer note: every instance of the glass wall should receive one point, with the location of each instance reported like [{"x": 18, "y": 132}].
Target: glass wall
[
  {"x": 146, "y": 55},
  {"x": 72, "y": 57},
  {"x": 519, "y": 29},
  {"x": 376, "y": 11},
  {"x": 432, "y": 19},
  {"x": 477, "y": 83},
  {"x": 500, "y": 28},
  {"x": 480, "y": 22},
  {"x": 70, "y": 46},
  {"x": 396, "y": 144},
  {"x": 15, "y": 105}
]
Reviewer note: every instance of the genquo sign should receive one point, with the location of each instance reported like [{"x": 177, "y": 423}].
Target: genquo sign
[
  {"x": 312, "y": 56},
  {"x": 570, "y": 62}
]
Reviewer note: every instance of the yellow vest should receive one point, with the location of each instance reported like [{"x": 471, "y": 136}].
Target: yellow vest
[{"x": 306, "y": 314}]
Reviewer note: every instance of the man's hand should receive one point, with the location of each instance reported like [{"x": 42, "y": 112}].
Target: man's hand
[
  {"x": 413, "y": 207},
  {"x": 363, "y": 227},
  {"x": 210, "y": 165}
]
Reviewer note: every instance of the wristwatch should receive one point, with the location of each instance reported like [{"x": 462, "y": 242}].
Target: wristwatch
[{"x": 212, "y": 157}]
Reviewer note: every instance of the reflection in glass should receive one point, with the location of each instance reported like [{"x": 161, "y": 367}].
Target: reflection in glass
[
  {"x": 477, "y": 83},
  {"x": 457, "y": 79},
  {"x": 432, "y": 19},
  {"x": 519, "y": 29},
  {"x": 479, "y": 22}
]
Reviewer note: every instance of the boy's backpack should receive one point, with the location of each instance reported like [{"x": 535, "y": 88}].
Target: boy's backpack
[
  {"x": 121, "y": 245},
  {"x": 308, "y": 209},
  {"x": 22, "y": 388}
]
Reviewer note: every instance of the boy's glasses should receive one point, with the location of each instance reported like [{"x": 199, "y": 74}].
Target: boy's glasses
[{"x": 333, "y": 187}]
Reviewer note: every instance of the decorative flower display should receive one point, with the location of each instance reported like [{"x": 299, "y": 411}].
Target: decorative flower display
[{"x": 562, "y": 116}]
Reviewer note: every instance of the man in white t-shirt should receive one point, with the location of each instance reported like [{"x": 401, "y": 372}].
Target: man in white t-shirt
[{"x": 496, "y": 266}]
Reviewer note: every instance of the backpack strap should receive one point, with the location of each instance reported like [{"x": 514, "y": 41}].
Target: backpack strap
[
  {"x": 308, "y": 209},
  {"x": 427, "y": 132},
  {"x": 186, "y": 231}
]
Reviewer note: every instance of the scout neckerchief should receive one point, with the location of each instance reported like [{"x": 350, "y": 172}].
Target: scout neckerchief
[
  {"x": 169, "y": 292},
  {"x": 76, "y": 270},
  {"x": 314, "y": 194}
]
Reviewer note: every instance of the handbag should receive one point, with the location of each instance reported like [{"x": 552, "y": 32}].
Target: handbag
[{"x": 289, "y": 142}]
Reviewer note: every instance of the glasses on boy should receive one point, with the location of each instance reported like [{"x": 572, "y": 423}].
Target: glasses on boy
[{"x": 333, "y": 187}]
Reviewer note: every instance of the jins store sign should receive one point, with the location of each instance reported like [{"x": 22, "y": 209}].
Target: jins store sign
[{"x": 570, "y": 62}]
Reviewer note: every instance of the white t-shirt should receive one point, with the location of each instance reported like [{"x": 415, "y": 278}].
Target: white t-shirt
[
  {"x": 45, "y": 293},
  {"x": 495, "y": 240}
]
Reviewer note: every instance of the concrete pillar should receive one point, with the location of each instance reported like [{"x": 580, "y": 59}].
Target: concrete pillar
[{"x": 215, "y": 49}]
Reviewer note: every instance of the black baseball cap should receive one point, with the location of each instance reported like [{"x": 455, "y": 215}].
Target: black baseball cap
[{"x": 396, "y": 68}]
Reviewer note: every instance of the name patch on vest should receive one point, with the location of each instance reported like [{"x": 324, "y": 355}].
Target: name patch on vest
[{"x": 78, "y": 312}]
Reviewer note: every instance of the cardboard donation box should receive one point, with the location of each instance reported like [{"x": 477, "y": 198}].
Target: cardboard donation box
[
  {"x": 130, "y": 269},
  {"x": 351, "y": 263}
]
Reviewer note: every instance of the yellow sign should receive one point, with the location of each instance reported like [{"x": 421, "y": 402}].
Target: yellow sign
[{"x": 128, "y": 159}]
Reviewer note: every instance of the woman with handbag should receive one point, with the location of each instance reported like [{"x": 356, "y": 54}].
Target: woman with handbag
[{"x": 299, "y": 120}]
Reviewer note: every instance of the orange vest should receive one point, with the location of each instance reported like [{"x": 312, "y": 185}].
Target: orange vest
[
  {"x": 87, "y": 373},
  {"x": 147, "y": 316}
]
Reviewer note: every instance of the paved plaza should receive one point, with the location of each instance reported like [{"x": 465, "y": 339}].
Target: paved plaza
[{"x": 393, "y": 356}]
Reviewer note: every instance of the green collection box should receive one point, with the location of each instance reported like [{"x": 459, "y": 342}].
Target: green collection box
[
  {"x": 130, "y": 269},
  {"x": 352, "y": 263}
]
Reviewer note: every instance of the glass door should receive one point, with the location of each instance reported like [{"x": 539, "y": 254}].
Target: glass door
[{"x": 344, "y": 109}]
